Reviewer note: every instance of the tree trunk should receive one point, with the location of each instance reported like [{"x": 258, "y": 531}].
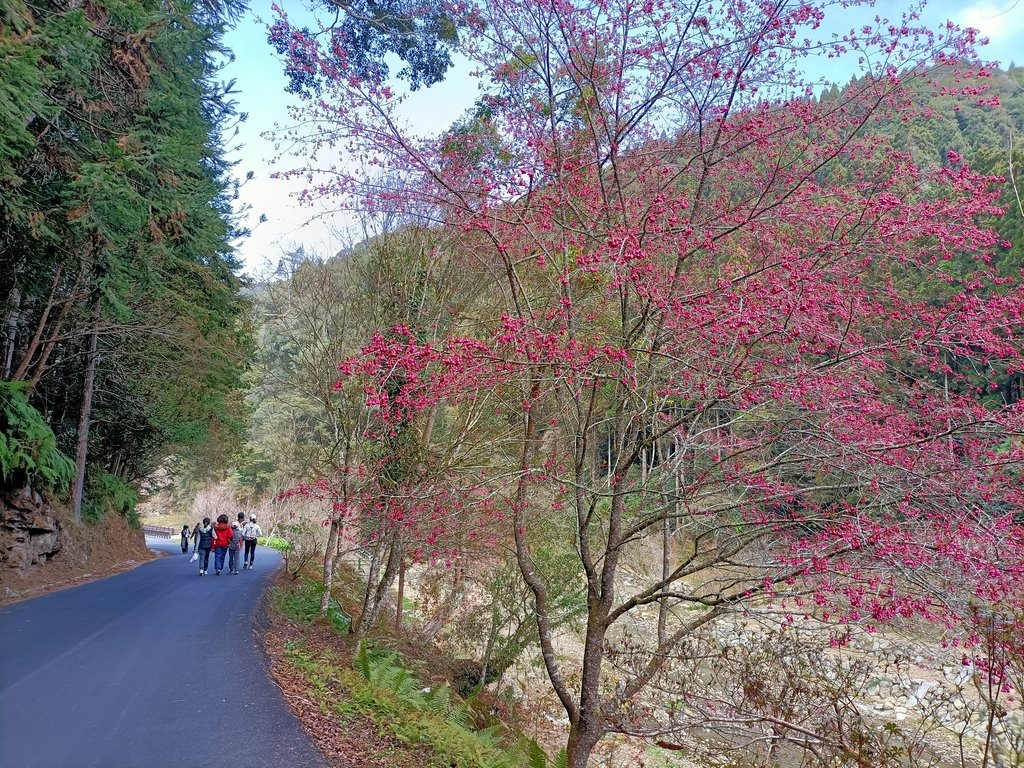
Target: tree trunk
[
  {"x": 400, "y": 605},
  {"x": 329, "y": 555},
  {"x": 371, "y": 579},
  {"x": 117, "y": 465},
  {"x": 33, "y": 345},
  {"x": 583, "y": 737},
  {"x": 587, "y": 728},
  {"x": 377, "y": 589},
  {"x": 47, "y": 346},
  {"x": 85, "y": 414},
  {"x": 12, "y": 332},
  {"x": 663, "y": 604},
  {"x": 339, "y": 548}
]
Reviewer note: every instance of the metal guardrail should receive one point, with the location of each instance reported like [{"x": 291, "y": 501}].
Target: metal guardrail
[{"x": 158, "y": 531}]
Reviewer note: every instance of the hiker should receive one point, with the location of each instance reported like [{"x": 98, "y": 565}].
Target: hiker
[
  {"x": 221, "y": 542},
  {"x": 234, "y": 548},
  {"x": 204, "y": 542},
  {"x": 186, "y": 534},
  {"x": 238, "y": 541},
  {"x": 250, "y": 533}
]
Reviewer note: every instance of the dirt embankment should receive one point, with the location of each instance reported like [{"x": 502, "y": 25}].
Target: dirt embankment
[{"x": 42, "y": 548}]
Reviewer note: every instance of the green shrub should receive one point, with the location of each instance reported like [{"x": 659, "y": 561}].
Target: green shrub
[
  {"x": 433, "y": 721},
  {"x": 108, "y": 494},
  {"x": 28, "y": 447},
  {"x": 303, "y": 543}
]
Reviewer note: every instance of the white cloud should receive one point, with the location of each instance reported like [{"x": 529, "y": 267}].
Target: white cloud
[{"x": 998, "y": 21}]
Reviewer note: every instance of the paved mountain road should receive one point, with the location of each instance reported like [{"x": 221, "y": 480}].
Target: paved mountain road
[{"x": 150, "y": 668}]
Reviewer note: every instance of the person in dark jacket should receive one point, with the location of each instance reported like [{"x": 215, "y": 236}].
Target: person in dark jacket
[
  {"x": 221, "y": 542},
  {"x": 186, "y": 534},
  {"x": 204, "y": 543}
]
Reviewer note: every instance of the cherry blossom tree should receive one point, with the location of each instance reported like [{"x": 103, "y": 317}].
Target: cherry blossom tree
[
  {"x": 383, "y": 472},
  {"x": 733, "y": 336}
]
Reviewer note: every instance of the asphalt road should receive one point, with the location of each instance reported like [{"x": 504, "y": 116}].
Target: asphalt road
[{"x": 151, "y": 668}]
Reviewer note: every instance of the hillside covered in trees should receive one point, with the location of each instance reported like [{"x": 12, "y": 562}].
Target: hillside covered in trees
[
  {"x": 671, "y": 393},
  {"x": 985, "y": 131}
]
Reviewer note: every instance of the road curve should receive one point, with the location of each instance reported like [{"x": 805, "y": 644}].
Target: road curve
[{"x": 150, "y": 668}]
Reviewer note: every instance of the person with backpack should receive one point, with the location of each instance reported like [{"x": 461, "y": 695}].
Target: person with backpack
[
  {"x": 250, "y": 533},
  {"x": 240, "y": 539},
  {"x": 234, "y": 548},
  {"x": 186, "y": 534},
  {"x": 204, "y": 543},
  {"x": 221, "y": 542}
]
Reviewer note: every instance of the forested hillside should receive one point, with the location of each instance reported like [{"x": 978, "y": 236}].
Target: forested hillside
[
  {"x": 123, "y": 338},
  {"x": 987, "y": 131}
]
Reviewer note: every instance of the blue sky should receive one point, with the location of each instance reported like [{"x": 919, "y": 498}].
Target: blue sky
[{"x": 262, "y": 95}]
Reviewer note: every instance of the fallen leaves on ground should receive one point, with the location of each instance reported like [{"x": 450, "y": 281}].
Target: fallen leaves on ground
[{"x": 346, "y": 741}]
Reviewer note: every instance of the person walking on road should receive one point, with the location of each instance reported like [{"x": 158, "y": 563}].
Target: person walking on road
[
  {"x": 221, "y": 542},
  {"x": 234, "y": 548},
  {"x": 186, "y": 534},
  {"x": 240, "y": 540},
  {"x": 204, "y": 542},
  {"x": 250, "y": 533}
]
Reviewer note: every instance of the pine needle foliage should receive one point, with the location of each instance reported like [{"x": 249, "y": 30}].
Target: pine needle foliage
[{"x": 116, "y": 230}]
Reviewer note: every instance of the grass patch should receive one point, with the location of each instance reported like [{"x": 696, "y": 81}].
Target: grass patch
[
  {"x": 301, "y": 603},
  {"x": 275, "y": 542},
  {"x": 440, "y": 726}
]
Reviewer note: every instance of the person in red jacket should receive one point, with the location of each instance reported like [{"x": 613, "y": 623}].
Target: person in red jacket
[{"x": 221, "y": 542}]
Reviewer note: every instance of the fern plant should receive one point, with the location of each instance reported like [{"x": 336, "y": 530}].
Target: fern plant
[
  {"x": 437, "y": 700},
  {"x": 443, "y": 721},
  {"x": 385, "y": 670},
  {"x": 28, "y": 447},
  {"x": 534, "y": 756}
]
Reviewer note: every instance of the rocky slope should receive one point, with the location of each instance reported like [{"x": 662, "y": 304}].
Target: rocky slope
[{"x": 41, "y": 547}]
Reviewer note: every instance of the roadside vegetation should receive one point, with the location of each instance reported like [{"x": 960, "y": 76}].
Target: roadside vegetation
[{"x": 401, "y": 695}]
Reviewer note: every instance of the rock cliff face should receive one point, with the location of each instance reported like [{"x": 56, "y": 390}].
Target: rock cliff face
[
  {"x": 28, "y": 534},
  {"x": 41, "y": 547}
]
